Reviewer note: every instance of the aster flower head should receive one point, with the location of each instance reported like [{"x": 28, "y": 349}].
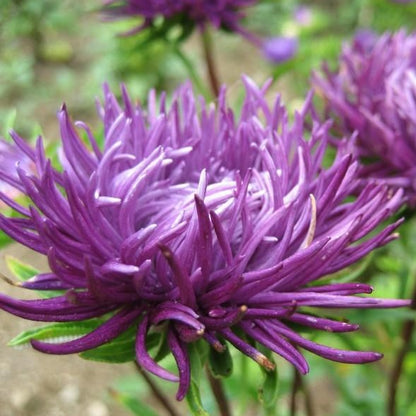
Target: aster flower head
[
  {"x": 373, "y": 92},
  {"x": 187, "y": 14},
  {"x": 217, "y": 225},
  {"x": 224, "y": 14}
]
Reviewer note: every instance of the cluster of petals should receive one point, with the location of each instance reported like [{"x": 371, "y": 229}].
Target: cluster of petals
[
  {"x": 373, "y": 93},
  {"x": 215, "y": 224}
]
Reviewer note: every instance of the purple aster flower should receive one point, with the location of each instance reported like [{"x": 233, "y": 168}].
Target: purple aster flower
[
  {"x": 9, "y": 156},
  {"x": 222, "y": 14},
  {"x": 280, "y": 49},
  {"x": 373, "y": 92},
  {"x": 303, "y": 15},
  {"x": 218, "y": 225}
]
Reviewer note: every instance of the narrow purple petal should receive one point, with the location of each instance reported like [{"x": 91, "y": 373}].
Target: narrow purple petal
[{"x": 143, "y": 357}]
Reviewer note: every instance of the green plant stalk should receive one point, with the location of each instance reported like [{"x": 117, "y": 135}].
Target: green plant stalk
[
  {"x": 406, "y": 335},
  {"x": 217, "y": 388},
  {"x": 210, "y": 61},
  {"x": 186, "y": 62},
  {"x": 299, "y": 385},
  {"x": 162, "y": 399}
]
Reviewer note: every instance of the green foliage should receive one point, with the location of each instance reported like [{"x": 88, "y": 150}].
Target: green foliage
[
  {"x": 21, "y": 270},
  {"x": 134, "y": 404},
  {"x": 220, "y": 363},
  {"x": 24, "y": 272},
  {"x": 269, "y": 391},
  {"x": 59, "y": 332},
  {"x": 193, "y": 398},
  {"x": 121, "y": 349}
]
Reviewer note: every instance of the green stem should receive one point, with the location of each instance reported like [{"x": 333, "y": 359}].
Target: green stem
[
  {"x": 295, "y": 389},
  {"x": 219, "y": 394},
  {"x": 308, "y": 398},
  {"x": 407, "y": 332},
  {"x": 209, "y": 60},
  {"x": 297, "y": 385},
  {"x": 186, "y": 62},
  {"x": 160, "y": 396}
]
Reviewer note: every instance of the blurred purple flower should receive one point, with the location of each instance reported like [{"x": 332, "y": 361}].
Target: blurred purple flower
[
  {"x": 365, "y": 40},
  {"x": 303, "y": 15},
  {"x": 374, "y": 93},
  {"x": 217, "y": 224},
  {"x": 280, "y": 49},
  {"x": 222, "y": 14},
  {"x": 10, "y": 155}
]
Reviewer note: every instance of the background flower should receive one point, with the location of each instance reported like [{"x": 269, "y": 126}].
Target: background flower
[
  {"x": 10, "y": 156},
  {"x": 218, "y": 225},
  {"x": 373, "y": 92},
  {"x": 187, "y": 14},
  {"x": 219, "y": 13}
]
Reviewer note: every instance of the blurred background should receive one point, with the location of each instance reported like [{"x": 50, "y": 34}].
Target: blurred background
[{"x": 63, "y": 51}]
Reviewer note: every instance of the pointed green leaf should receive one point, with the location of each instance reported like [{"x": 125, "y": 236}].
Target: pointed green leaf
[
  {"x": 121, "y": 349},
  {"x": 196, "y": 363},
  {"x": 136, "y": 406},
  {"x": 24, "y": 272},
  {"x": 193, "y": 399},
  {"x": 162, "y": 348},
  {"x": 268, "y": 392},
  {"x": 220, "y": 363},
  {"x": 59, "y": 332},
  {"x": 21, "y": 270}
]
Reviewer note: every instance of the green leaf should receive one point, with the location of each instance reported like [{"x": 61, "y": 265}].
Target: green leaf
[
  {"x": 59, "y": 332},
  {"x": 24, "y": 272},
  {"x": 136, "y": 406},
  {"x": 5, "y": 240},
  {"x": 193, "y": 399},
  {"x": 21, "y": 270},
  {"x": 121, "y": 349},
  {"x": 162, "y": 348},
  {"x": 197, "y": 358},
  {"x": 268, "y": 392},
  {"x": 220, "y": 363}
]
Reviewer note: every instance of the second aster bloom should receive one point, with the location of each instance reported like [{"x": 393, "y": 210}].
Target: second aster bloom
[
  {"x": 217, "y": 225},
  {"x": 10, "y": 156},
  {"x": 221, "y": 14},
  {"x": 373, "y": 92},
  {"x": 224, "y": 14}
]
